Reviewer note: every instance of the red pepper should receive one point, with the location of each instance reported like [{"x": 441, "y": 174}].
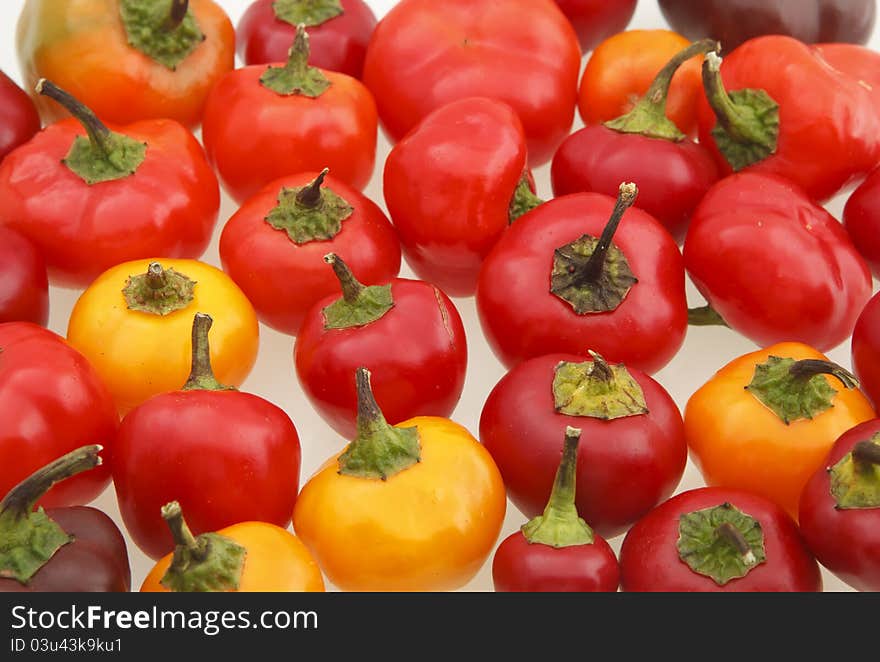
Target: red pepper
[
  {"x": 865, "y": 348},
  {"x": 19, "y": 120},
  {"x": 774, "y": 265},
  {"x": 407, "y": 332},
  {"x": 273, "y": 247},
  {"x": 595, "y": 20},
  {"x": 229, "y": 456},
  {"x": 70, "y": 550},
  {"x": 453, "y": 185},
  {"x": 339, "y": 31},
  {"x": 263, "y": 122},
  {"x": 858, "y": 62},
  {"x": 564, "y": 278},
  {"x": 782, "y": 110},
  {"x": 646, "y": 147},
  {"x": 861, "y": 217},
  {"x": 51, "y": 402},
  {"x": 24, "y": 285},
  {"x": 123, "y": 193},
  {"x": 425, "y": 54}
]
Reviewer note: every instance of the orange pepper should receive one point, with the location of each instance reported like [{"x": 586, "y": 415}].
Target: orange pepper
[
  {"x": 246, "y": 557},
  {"x": 738, "y": 437},
  {"x": 428, "y": 525},
  {"x": 83, "y": 47},
  {"x": 140, "y": 350},
  {"x": 622, "y": 68}
]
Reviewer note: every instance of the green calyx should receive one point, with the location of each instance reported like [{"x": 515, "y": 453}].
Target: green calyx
[
  {"x": 103, "y": 156},
  {"x": 748, "y": 120},
  {"x": 309, "y": 213},
  {"x": 559, "y": 525},
  {"x": 648, "y": 116},
  {"x": 797, "y": 389},
  {"x": 592, "y": 275},
  {"x": 163, "y": 30},
  {"x": 28, "y": 538},
  {"x": 855, "y": 479},
  {"x": 721, "y": 542},
  {"x": 306, "y": 12},
  {"x": 201, "y": 376},
  {"x": 705, "y": 316},
  {"x": 379, "y": 450},
  {"x": 359, "y": 305},
  {"x": 523, "y": 200},
  {"x": 296, "y": 77},
  {"x": 208, "y": 563},
  {"x": 596, "y": 389},
  {"x": 159, "y": 291}
]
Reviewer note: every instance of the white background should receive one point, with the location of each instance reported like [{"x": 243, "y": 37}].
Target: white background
[{"x": 705, "y": 349}]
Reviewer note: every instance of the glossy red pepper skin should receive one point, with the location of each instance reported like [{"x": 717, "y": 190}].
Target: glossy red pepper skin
[
  {"x": 522, "y": 319},
  {"x": 734, "y": 21},
  {"x": 425, "y": 54},
  {"x": 819, "y": 284},
  {"x": 595, "y": 20},
  {"x": 168, "y": 207},
  {"x": 448, "y": 186},
  {"x": 51, "y": 402},
  {"x": 861, "y": 218},
  {"x": 672, "y": 176},
  {"x": 253, "y": 135},
  {"x": 649, "y": 558},
  {"x": 860, "y": 63},
  {"x": 96, "y": 561},
  {"x": 19, "y": 120},
  {"x": 226, "y": 456},
  {"x": 829, "y": 128},
  {"x": 416, "y": 353},
  {"x": 865, "y": 349},
  {"x": 520, "y": 427},
  {"x": 24, "y": 285},
  {"x": 283, "y": 279},
  {"x": 521, "y": 566},
  {"x": 338, "y": 44},
  {"x": 846, "y": 541}
]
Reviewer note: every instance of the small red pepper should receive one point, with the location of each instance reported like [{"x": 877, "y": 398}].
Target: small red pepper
[
  {"x": 19, "y": 120},
  {"x": 774, "y": 265},
  {"x": 90, "y": 203},
  {"x": 339, "y": 31},
  {"x": 74, "y": 549},
  {"x": 595, "y": 20},
  {"x": 646, "y": 147},
  {"x": 861, "y": 217},
  {"x": 24, "y": 285},
  {"x": 778, "y": 108}
]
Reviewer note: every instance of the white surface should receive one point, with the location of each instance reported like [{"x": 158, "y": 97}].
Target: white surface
[{"x": 705, "y": 349}]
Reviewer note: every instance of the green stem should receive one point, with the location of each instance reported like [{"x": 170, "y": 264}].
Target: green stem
[
  {"x": 705, "y": 316},
  {"x": 156, "y": 277},
  {"x": 20, "y": 500},
  {"x": 201, "y": 376},
  {"x": 738, "y": 541},
  {"x": 351, "y": 286},
  {"x": 99, "y": 134},
  {"x": 183, "y": 537},
  {"x": 625, "y": 199},
  {"x": 659, "y": 91},
  {"x": 310, "y": 195},
  {"x": 808, "y": 368},
  {"x": 731, "y": 117},
  {"x": 867, "y": 453},
  {"x": 178, "y": 13}
]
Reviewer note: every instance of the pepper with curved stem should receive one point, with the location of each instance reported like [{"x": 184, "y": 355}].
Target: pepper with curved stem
[{"x": 310, "y": 195}]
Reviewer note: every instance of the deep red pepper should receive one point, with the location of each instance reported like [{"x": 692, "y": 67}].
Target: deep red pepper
[
  {"x": 139, "y": 191},
  {"x": 817, "y": 283},
  {"x": 734, "y": 21},
  {"x": 541, "y": 290},
  {"x": 861, "y": 218},
  {"x": 528, "y": 410},
  {"x": 273, "y": 246},
  {"x": 231, "y": 457},
  {"x": 595, "y": 20},
  {"x": 786, "y": 112},
  {"x": 24, "y": 285},
  {"x": 720, "y": 540},
  {"x": 19, "y": 120},
  {"x": 557, "y": 550},
  {"x": 646, "y": 147},
  {"x": 839, "y": 513},
  {"x": 407, "y": 332},
  {"x": 453, "y": 185},
  {"x": 865, "y": 349},
  {"x": 51, "y": 402},
  {"x": 339, "y": 31},
  {"x": 73, "y": 549}
]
